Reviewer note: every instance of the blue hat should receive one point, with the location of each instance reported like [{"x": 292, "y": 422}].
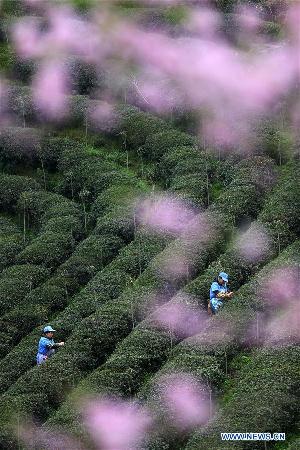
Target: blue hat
[
  {"x": 48, "y": 329},
  {"x": 224, "y": 276}
]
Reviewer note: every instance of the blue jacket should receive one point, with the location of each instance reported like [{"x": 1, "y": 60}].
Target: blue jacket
[
  {"x": 215, "y": 288},
  {"x": 45, "y": 346}
]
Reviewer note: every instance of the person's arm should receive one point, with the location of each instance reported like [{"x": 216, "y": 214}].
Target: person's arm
[{"x": 53, "y": 346}]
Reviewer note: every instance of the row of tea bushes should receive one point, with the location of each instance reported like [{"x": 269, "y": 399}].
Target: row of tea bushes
[
  {"x": 107, "y": 284},
  {"x": 11, "y": 241},
  {"x": 17, "y": 281},
  {"x": 11, "y": 188},
  {"x": 264, "y": 396},
  {"x": 104, "y": 203},
  {"x": 206, "y": 355},
  {"x": 51, "y": 212},
  {"x": 199, "y": 288},
  {"x": 77, "y": 355},
  {"x": 49, "y": 248},
  {"x": 200, "y": 253},
  {"x": 89, "y": 257},
  {"x": 29, "y": 147},
  {"x": 60, "y": 222}
]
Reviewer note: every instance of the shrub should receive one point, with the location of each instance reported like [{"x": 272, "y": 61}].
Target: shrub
[
  {"x": 19, "y": 144},
  {"x": 48, "y": 249},
  {"x": 65, "y": 224},
  {"x": 11, "y": 187},
  {"x": 77, "y": 111},
  {"x": 23, "y": 71},
  {"x": 42, "y": 206},
  {"x": 253, "y": 403},
  {"x": 21, "y": 106},
  {"x": 10, "y": 246},
  {"x": 83, "y": 75},
  {"x": 53, "y": 147},
  {"x": 138, "y": 125},
  {"x": 167, "y": 163},
  {"x": 119, "y": 222},
  {"x": 162, "y": 142},
  {"x": 191, "y": 187},
  {"x": 17, "y": 281},
  {"x": 115, "y": 196},
  {"x": 91, "y": 255},
  {"x": 62, "y": 208},
  {"x": 282, "y": 209}
]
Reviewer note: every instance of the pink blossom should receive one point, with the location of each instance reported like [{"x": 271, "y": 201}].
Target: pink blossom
[
  {"x": 116, "y": 425},
  {"x": 281, "y": 287},
  {"x": 203, "y": 21},
  {"x": 102, "y": 115},
  {"x": 36, "y": 438},
  {"x": 248, "y": 18},
  {"x": 27, "y": 38},
  {"x": 164, "y": 214},
  {"x": 50, "y": 87},
  {"x": 175, "y": 265},
  {"x": 284, "y": 325},
  {"x": 187, "y": 401},
  {"x": 180, "y": 317},
  {"x": 254, "y": 244},
  {"x": 71, "y": 34}
]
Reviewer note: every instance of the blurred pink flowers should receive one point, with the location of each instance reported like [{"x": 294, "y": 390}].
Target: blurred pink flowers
[
  {"x": 50, "y": 87},
  {"x": 102, "y": 115},
  {"x": 37, "y": 438},
  {"x": 254, "y": 244},
  {"x": 164, "y": 214},
  {"x": 187, "y": 401},
  {"x": 198, "y": 69},
  {"x": 180, "y": 317},
  {"x": 280, "y": 320},
  {"x": 116, "y": 424},
  {"x": 282, "y": 286}
]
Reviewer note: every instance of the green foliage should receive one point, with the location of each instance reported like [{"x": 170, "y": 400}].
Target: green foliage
[
  {"x": 281, "y": 211},
  {"x": 10, "y": 246},
  {"x": 48, "y": 249},
  {"x": 119, "y": 221},
  {"x": 91, "y": 255},
  {"x": 159, "y": 143},
  {"x": 11, "y": 187},
  {"x": 83, "y": 75},
  {"x": 136, "y": 125},
  {"x": 171, "y": 159},
  {"x": 6, "y": 54},
  {"x": 265, "y": 397},
  {"x": 252, "y": 179},
  {"x": 11, "y": 241},
  {"x": 115, "y": 196},
  {"x": 16, "y": 281},
  {"x": 21, "y": 105},
  {"x": 191, "y": 187}
]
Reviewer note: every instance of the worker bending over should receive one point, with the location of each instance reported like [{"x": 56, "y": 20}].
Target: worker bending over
[
  {"x": 218, "y": 293},
  {"x": 47, "y": 345}
]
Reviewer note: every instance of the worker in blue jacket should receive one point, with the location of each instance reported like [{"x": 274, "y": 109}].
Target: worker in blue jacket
[
  {"x": 47, "y": 345},
  {"x": 218, "y": 293}
]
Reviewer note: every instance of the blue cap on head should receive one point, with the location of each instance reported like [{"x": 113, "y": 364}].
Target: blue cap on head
[
  {"x": 224, "y": 276},
  {"x": 48, "y": 329}
]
